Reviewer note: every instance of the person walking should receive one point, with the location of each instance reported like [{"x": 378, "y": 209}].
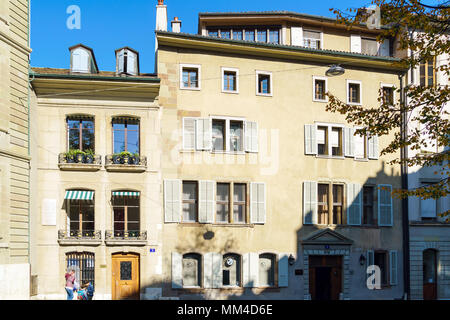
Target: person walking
[{"x": 70, "y": 281}]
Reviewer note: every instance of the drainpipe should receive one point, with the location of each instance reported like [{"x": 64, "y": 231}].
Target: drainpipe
[{"x": 404, "y": 175}]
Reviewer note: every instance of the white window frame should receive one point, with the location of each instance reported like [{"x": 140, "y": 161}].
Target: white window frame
[
  {"x": 330, "y": 126},
  {"x": 183, "y": 135},
  {"x": 366, "y": 146},
  {"x": 388, "y": 85},
  {"x": 199, "y": 75},
  {"x": 235, "y": 70},
  {"x": 314, "y": 88},
  {"x": 348, "y": 92},
  {"x": 227, "y": 134},
  {"x": 267, "y": 73},
  {"x": 312, "y": 30}
]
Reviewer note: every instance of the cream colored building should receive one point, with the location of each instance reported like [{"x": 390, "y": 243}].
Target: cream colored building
[
  {"x": 266, "y": 194},
  {"x": 99, "y": 214},
  {"x": 15, "y": 268}
]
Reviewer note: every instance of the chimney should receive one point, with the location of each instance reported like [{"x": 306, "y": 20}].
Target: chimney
[
  {"x": 176, "y": 25},
  {"x": 161, "y": 16}
]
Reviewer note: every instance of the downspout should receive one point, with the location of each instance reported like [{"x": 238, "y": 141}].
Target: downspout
[{"x": 29, "y": 139}]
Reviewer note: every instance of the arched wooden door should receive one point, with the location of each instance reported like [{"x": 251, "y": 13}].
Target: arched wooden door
[{"x": 125, "y": 276}]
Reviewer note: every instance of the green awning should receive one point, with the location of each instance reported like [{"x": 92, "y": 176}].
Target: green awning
[
  {"x": 79, "y": 195},
  {"x": 125, "y": 194}
]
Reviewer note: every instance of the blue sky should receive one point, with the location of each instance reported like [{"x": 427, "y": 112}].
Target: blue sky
[{"x": 107, "y": 25}]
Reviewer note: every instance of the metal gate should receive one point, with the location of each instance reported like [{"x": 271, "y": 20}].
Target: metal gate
[{"x": 84, "y": 265}]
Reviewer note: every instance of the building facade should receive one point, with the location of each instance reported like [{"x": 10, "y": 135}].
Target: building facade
[
  {"x": 99, "y": 177},
  {"x": 15, "y": 268},
  {"x": 267, "y": 195}
]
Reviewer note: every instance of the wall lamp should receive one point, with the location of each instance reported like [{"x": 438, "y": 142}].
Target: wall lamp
[
  {"x": 291, "y": 260},
  {"x": 362, "y": 259},
  {"x": 335, "y": 70}
]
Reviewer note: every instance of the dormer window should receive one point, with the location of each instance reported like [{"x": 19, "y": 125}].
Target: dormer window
[
  {"x": 82, "y": 60},
  {"x": 127, "y": 61}
]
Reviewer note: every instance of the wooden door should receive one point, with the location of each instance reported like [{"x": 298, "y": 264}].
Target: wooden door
[
  {"x": 325, "y": 277},
  {"x": 429, "y": 274},
  {"x": 125, "y": 277},
  {"x": 336, "y": 282}
]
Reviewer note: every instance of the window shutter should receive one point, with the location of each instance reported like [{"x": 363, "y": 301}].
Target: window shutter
[
  {"x": 393, "y": 266},
  {"x": 310, "y": 202},
  {"x": 258, "y": 202},
  {"x": 349, "y": 142},
  {"x": 358, "y": 144},
  {"x": 373, "y": 147},
  {"x": 177, "y": 270},
  {"x": 251, "y": 136},
  {"x": 354, "y": 206},
  {"x": 385, "y": 217},
  {"x": 217, "y": 270},
  {"x": 283, "y": 270},
  {"x": 370, "y": 260},
  {"x": 203, "y": 136},
  {"x": 296, "y": 36},
  {"x": 206, "y": 202},
  {"x": 189, "y": 133},
  {"x": 384, "y": 49},
  {"x": 428, "y": 208},
  {"x": 355, "y": 43},
  {"x": 208, "y": 270},
  {"x": 250, "y": 269},
  {"x": 172, "y": 201},
  {"x": 131, "y": 63},
  {"x": 120, "y": 61},
  {"x": 310, "y": 139}
]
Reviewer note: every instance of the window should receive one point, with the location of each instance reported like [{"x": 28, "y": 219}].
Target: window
[
  {"x": 84, "y": 265},
  {"x": 381, "y": 260},
  {"x": 428, "y": 207},
  {"x": 319, "y": 89},
  {"x": 224, "y": 202},
  {"x": 190, "y": 201},
  {"x": 322, "y": 203},
  {"x": 225, "y": 34},
  {"x": 427, "y": 74},
  {"x": 230, "y": 80},
  {"x": 266, "y": 270},
  {"x": 368, "y": 206},
  {"x": 190, "y": 76},
  {"x": 322, "y": 138},
  {"x": 262, "y": 35},
  {"x": 126, "y": 135},
  {"x": 329, "y": 140},
  {"x": 265, "y": 34},
  {"x": 192, "y": 266},
  {"x": 360, "y": 146},
  {"x": 218, "y": 135},
  {"x": 239, "y": 203},
  {"x": 227, "y": 135},
  {"x": 311, "y": 39},
  {"x": 231, "y": 269},
  {"x": 236, "y": 136},
  {"x": 237, "y": 35},
  {"x": 81, "y": 218},
  {"x": 353, "y": 92},
  {"x": 369, "y": 46},
  {"x": 250, "y": 35},
  {"x": 264, "y": 83},
  {"x": 213, "y": 33},
  {"x": 338, "y": 200},
  {"x": 126, "y": 213},
  {"x": 325, "y": 205},
  {"x": 274, "y": 36},
  {"x": 336, "y": 142},
  {"x": 80, "y": 133},
  {"x": 387, "y": 94}
]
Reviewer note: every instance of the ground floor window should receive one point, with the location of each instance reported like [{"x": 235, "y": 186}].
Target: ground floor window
[
  {"x": 192, "y": 264},
  {"x": 231, "y": 270},
  {"x": 84, "y": 265},
  {"x": 266, "y": 270}
]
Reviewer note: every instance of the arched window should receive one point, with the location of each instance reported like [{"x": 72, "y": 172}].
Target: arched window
[
  {"x": 267, "y": 270},
  {"x": 231, "y": 266},
  {"x": 192, "y": 266},
  {"x": 126, "y": 135},
  {"x": 84, "y": 265},
  {"x": 80, "y": 133}
]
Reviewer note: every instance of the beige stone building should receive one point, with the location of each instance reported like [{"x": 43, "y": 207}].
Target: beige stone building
[
  {"x": 266, "y": 194},
  {"x": 14, "y": 150},
  {"x": 98, "y": 171}
]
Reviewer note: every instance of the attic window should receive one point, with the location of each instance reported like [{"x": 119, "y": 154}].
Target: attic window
[
  {"x": 127, "y": 62},
  {"x": 81, "y": 60}
]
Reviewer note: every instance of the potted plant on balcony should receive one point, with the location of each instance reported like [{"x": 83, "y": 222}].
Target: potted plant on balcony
[
  {"x": 89, "y": 156},
  {"x": 74, "y": 156},
  {"x": 125, "y": 156},
  {"x": 135, "y": 159}
]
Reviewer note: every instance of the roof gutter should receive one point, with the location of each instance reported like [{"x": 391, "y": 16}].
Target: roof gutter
[{"x": 97, "y": 78}]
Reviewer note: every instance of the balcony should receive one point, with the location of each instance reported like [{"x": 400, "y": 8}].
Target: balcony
[
  {"x": 127, "y": 238},
  {"x": 125, "y": 163},
  {"x": 77, "y": 237},
  {"x": 79, "y": 162}
]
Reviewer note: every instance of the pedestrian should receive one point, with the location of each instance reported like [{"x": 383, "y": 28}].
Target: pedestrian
[
  {"x": 70, "y": 281},
  {"x": 90, "y": 291}
]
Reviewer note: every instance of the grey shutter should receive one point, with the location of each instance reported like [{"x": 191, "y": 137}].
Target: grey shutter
[
  {"x": 393, "y": 267},
  {"x": 384, "y": 49},
  {"x": 257, "y": 202},
  {"x": 131, "y": 63},
  {"x": 208, "y": 270},
  {"x": 310, "y": 139},
  {"x": 250, "y": 269},
  {"x": 189, "y": 133},
  {"x": 206, "y": 192},
  {"x": 120, "y": 61},
  {"x": 217, "y": 270},
  {"x": 370, "y": 260},
  {"x": 355, "y": 43},
  {"x": 373, "y": 147},
  {"x": 203, "y": 134},
  {"x": 385, "y": 217},
  {"x": 354, "y": 205},
  {"x": 349, "y": 142},
  {"x": 283, "y": 270},
  {"x": 251, "y": 136},
  {"x": 177, "y": 270},
  {"x": 172, "y": 201},
  {"x": 310, "y": 202}
]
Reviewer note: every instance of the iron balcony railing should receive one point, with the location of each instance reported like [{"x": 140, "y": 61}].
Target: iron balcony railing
[
  {"x": 79, "y": 235},
  {"x": 125, "y": 235},
  {"x": 64, "y": 158},
  {"x": 126, "y": 160}
]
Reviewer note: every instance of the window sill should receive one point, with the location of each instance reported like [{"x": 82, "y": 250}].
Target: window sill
[
  {"x": 317, "y": 100},
  {"x": 362, "y": 159},
  {"x": 125, "y": 168},
  {"x": 330, "y": 157},
  {"x": 123, "y": 242},
  {"x": 79, "y": 167},
  {"x": 191, "y": 89},
  {"x": 264, "y": 94},
  {"x": 80, "y": 242},
  {"x": 228, "y": 152},
  {"x": 216, "y": 224},
  {"x": 232, "y": 92},
  {"x": 354, "y": 103}
]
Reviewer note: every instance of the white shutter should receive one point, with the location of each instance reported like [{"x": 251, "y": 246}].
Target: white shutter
[
  {"x": 428, "y": 208},
  {"x": 310, "y": 202},
  {"x": 172, "y": 201},
  {"x": 354, "y": 204},
  {"x": 208, "y": 270},
  {"x": 189, "y": 133},
  {"x": 349, "y": 142},
  {"x": 217, "y": 270},
  {"x": 251, "y": 136},
  {"x": 203, "y": 134},
  {"x": 393, "y": 267},
  {"x": 296, "y": 36},
  {"x": 373, "y": 147},
  {"x": 131, "y": 63},
  {"x": 385, "y": 217},
  {"x": 359, "y": 146},
  {"x": 250, "y": 269},
  {"x": 355, "y": 43},
  {"x": 258, "y": 202},
  {"x": 177, "y": 270},
  {"x": 384, "y": 49},
  {"x": 120, "y": 61},
  {"x": 206, "y": 192},
  {"x": 283, "y": 270},
  {"x": 310, "y": 139},
  {"x": 334, "y": 141}
]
